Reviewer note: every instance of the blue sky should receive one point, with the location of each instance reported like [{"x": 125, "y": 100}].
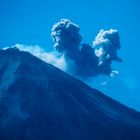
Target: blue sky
[{"x": 30, "y": 21}]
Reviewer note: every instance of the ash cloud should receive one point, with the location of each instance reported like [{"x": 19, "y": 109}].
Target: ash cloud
[
  {"x": 79, "y": 59},
  {"x": 67, "y": 38},
  {"x": 108, "y": 42},
  {"x": 88, "y": 60}
]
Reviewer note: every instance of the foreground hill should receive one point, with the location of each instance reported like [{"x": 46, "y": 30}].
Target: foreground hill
[{"x": 40, "y": 102}]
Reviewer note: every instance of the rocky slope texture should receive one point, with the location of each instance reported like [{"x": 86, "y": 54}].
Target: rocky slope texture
[{"x": 40, "y": 102}]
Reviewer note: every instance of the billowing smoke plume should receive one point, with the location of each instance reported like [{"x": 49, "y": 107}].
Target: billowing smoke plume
[
  {"x": 108, "y": 42},
  {"x": 89, "y": 60},
  {"x": 67, "y": 38},
  {"x": 80, "y": 59}
]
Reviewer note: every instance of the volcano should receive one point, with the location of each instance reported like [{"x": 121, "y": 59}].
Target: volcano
[{"x": 40, "y": 102}]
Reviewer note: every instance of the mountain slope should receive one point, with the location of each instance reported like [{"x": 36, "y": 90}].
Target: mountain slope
[{"x": 40, "y": 102}]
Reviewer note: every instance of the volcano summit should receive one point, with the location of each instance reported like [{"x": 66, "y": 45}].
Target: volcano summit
[{"x": 40, "y": 102}]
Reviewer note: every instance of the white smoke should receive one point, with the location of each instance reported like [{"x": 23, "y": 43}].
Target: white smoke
[{"x": 49, "y": 57}]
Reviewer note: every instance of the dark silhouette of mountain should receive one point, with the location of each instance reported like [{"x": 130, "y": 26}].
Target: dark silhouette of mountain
[{"x": 40, "y": 102}]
